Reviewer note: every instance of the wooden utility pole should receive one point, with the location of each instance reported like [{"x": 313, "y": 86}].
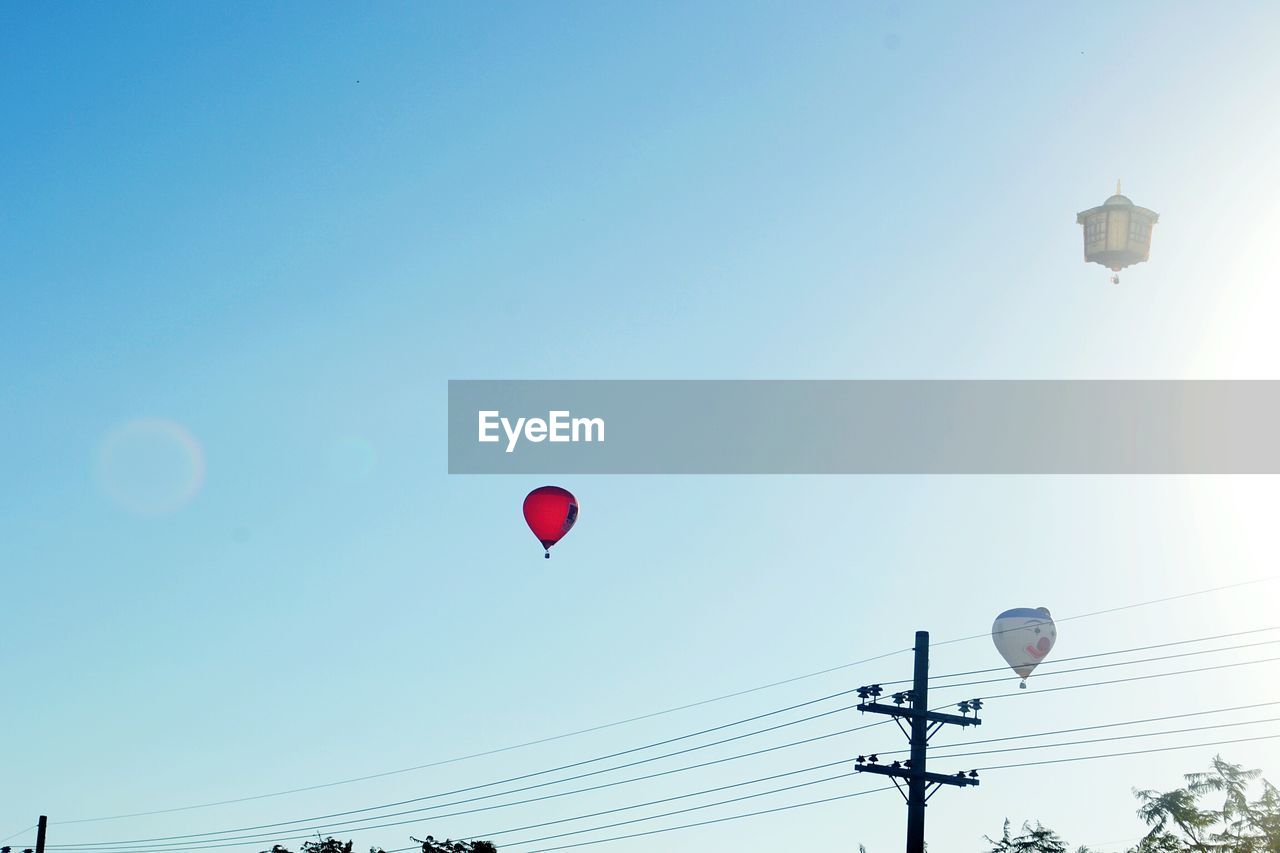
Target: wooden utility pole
[{"x": 914, "y": 705}]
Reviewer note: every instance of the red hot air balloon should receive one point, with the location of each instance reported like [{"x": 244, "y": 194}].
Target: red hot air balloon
[{"x": 550, "y": 512}]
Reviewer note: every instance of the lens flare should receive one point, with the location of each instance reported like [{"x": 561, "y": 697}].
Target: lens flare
[{"x": 150, "y": 466}]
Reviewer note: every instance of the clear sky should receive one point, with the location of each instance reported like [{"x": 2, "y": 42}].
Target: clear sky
[{"x": 246, "y": 245}]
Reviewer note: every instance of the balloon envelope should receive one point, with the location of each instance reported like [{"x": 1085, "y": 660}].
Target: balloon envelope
[
  {"x": 1024, "y": 637},
  {"x": 550, "y": 512}
]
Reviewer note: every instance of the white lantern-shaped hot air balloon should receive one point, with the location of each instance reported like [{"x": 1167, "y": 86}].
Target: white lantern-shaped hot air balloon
[{"x": 1024, "y": 637}]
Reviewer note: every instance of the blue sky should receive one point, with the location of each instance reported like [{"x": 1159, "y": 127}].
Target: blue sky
[{"x": 283, "y": 228}]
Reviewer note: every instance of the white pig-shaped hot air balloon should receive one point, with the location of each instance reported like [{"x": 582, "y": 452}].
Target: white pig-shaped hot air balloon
[{"x": 1024, "y": 637}]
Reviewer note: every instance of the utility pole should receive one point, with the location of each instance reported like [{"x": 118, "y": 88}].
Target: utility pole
[
  {"x": 41, "y": 826},
  {"x": 914, "y": 706}
]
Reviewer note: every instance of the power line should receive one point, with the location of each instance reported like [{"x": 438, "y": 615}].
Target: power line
[
  {"x": 685, "y": 811},
  {"x": 1110, "y": 739},
  {"x": 1123, "y": 607},
  {"x": 1125, "y": 680},
  {"x": 703, "y": 792},
  {"x": 666, "y": 800},
  {"x": 816, "y": 802},
  {"x": 174, "y": 847},
  {"x": 380, "y": 807},
  {"x": 778, "y": 790},
  {"x": 805, "y": 785},
  {"x": 700, "y": 823},
  {"x": 311, "y": 820},
  {"x": 502, "y": 749},
  {"x": 1098, "y": 655},
  {"x": 1101, "y": 654},
  {"x": 637, "y": 718},
  {"x": 177, "y": 849},
  {"x": 846, "y": 761},
  {"x": 876, "y": 790},
  {"x": 1115, "y": 664},
  {"x": 1132, "y": 752},
  {"x": 1112, "y": 725},
  {"x": 661, "y": 801},
  {"x": 150, "y": 842},
  {"x": 16, "y": 834},
  {"x": 984, "y": 752}
]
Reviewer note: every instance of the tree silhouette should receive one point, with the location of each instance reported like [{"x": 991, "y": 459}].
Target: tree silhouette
[
  {"x": 429, "y": 845},
  {"x": 1185, "y": 820},
  {"x": 328, "y": 845},
  {"x": 1178, "y": 808},
  {"x": 1242, "y": 825},
  {"x": 1034, "y": 839}
]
